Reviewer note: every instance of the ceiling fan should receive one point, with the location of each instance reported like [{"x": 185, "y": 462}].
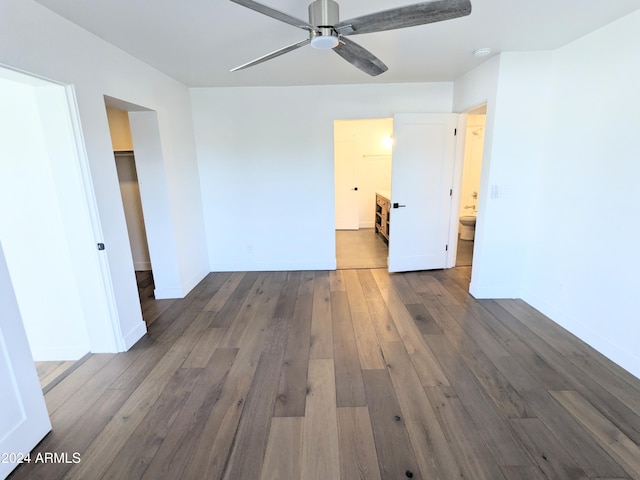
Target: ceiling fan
[{"x": 326, "y": 31}]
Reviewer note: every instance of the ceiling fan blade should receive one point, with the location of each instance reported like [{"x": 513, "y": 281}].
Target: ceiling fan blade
[
  {"x": 409, "y": 16},
  {"x": 273, "y": 13},
  {"x": 271, "y": 55},
  {"x": 360, "y": 57}
]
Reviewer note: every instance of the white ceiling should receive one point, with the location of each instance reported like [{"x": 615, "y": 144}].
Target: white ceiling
[{"x": 198, "y": 41}]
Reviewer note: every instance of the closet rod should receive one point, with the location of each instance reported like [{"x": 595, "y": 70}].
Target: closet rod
[{"x": 123, "y": 153}]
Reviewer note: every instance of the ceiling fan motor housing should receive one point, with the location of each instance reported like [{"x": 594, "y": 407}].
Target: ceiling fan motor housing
[{"x": 323, "y": 14}]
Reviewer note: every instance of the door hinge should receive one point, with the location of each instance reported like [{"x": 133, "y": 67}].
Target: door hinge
[
  {"x": 455, "y": 132},
  {"x": 446, "y": 248},
  {"x": 451, "y": 192},
  {"x": 101, "y": 246}
]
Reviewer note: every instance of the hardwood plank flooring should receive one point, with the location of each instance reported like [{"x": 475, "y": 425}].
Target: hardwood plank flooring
[
  {"x": 320, "y": 441},
  {"x": 343, "y": 375},
  {"x": 284, "y": 449},
  {"x": 151, "y": 308},
  {"x": 358, "y": 458},
  {"x": 48, "y": 372}
]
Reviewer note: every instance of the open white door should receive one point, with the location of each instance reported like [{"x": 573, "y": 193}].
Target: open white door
[
  {"x": 421, "y": 181},
  {"x": 24, "y": 420},
  {"x": 346, "y": 174}
]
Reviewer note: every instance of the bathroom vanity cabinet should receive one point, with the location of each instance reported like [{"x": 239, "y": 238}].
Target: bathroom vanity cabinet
[{"x": 383, "y": 214}]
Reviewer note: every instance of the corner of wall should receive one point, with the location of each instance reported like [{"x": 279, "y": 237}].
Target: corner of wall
[
  {"x": 624, "y": 358},
  {"x": 191, "y": 283},
  {"x": 135, "y": 334}
]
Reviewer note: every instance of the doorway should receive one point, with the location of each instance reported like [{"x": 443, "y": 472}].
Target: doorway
[
  {"x": 46, "y": 221},
  {"x": 363, "y": 159},
  {"x": 470, "y": 184},
  {"x": 125, "y": 161}
]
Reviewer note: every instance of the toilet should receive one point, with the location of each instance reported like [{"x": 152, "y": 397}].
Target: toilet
[{"x": 467, "y": 227}]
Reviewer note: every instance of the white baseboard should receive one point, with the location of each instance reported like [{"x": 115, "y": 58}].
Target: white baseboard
[
  {"x": 492, "y": 291},
  {"x": 630, "y": 361},
  {"x": 55, "y": 354},
  {"x": 195, "y": 280},
  {"x": 135, "y": 334},
  {"x": 183, "y": 290},
  {"x": 168, "y": 293},
  {"x": 327, "y": 264}
]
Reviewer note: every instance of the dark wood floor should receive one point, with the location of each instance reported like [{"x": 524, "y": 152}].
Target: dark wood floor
[
  {"x": 353, "y": 374},
  {"x": 151, "y": 308}
]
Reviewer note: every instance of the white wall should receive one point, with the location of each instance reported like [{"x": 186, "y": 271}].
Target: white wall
[
  {"x": 561, "y": 151},
  {"x": 372, "y": 161},
  {"x": 61, "y": 51},
  {"x": 515, "y": 87},
  {"x": 154, "y": 194},
  {"x": 584, "y": 262},
  {"x": 266, "y": 166},
  {"x": 32, "y": 228},
  {"x": 130, "y": 192}
]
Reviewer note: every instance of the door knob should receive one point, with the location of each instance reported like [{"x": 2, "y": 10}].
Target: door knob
[
  {"x": 397, "y": 205},
  {"x": 355, "y": 188}
]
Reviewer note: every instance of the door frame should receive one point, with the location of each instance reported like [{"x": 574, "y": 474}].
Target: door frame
[
  {"x": 104, "y": 279},
  {"x": 92, "y": 207},
  {"x": 461, "y": 139}
]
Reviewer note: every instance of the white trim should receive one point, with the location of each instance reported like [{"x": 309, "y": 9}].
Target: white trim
[
  {"x": 195, "y": 280},
  {"x": 456, "y": 186},
  {"x": 622, "y": 357},
  {"x": 134, "y": 335},
  {"x": 321, "y": 265},
  {"x": 182, "y": 291},
  {"x": 492, "y": 291},
  {"x": 92, "y": 208},
  {"x": 59, "y": 354},
  {"x": 42, "y": 80},
  {"x": 168, "y": 293},
  {"x": 142, "y": 266}
]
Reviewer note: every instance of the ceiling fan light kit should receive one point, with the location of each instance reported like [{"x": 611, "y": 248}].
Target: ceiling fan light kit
[
  {"x": 325, "y": 42},
  {"x": 326, "y": 31}
]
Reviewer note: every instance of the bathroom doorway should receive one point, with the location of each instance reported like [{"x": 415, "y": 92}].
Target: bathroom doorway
[
  {"x": 470, "y": 184},
  {"x": 362, "y": 156}
]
